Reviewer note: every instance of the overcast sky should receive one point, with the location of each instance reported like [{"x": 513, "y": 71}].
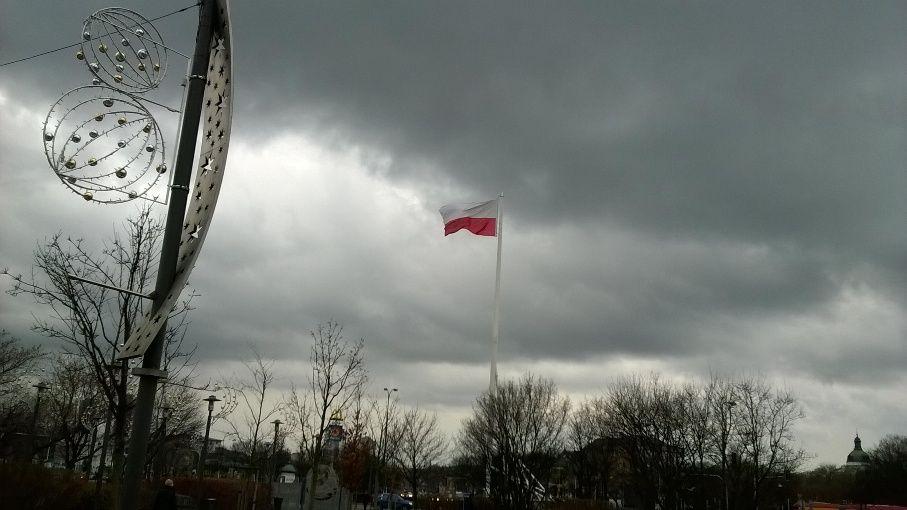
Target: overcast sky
[{"x": 690, "y": 188}]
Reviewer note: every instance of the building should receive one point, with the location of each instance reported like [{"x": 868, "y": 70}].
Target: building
[{"x": 857, "y": 458}]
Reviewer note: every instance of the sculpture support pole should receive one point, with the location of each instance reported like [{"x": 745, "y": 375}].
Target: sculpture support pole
[{"x": 150, "y": 371}]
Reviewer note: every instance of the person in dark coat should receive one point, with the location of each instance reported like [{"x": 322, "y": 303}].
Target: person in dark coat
[{"x": 166, "y": 497}]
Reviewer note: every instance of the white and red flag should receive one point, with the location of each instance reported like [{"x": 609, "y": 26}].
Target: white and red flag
[{"x": 480, "y": 218}]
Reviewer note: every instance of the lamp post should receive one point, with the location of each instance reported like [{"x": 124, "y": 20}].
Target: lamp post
[
  {"x": 201, "y": 458},
  {"x": 384, "y": 438},
  {"x": 165, "y": 415},
  {"x": 727, "y": 427},
  {"x": 274, "y": 449},
  {"x": 40, "y": 387},
  {"x": 162, "y": 447}
]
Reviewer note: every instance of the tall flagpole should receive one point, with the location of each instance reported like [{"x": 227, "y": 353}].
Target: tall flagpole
[{"x": 496, "y": 322}]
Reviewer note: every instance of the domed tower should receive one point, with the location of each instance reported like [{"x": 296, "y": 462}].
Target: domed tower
[{"x": 857, "y": 458}]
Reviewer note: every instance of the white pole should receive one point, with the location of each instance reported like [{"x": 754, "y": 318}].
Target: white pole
[{"x": 496, "y": 322}]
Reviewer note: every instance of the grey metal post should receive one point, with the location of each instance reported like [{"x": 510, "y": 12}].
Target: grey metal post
[
  {"x": 273, "y": 469},
  {"x": 201, "y": 458},
  {"x": 384, "y": 437},
  {"x": 34, "y": 420},
  {"x": 150, "y": 372}
]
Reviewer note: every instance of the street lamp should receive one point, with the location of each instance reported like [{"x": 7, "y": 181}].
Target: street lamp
[
  {"x": 387, "y": 406},
  {"x": 274, "y": 449},
  {"x": 166, "y": 412},
  {"x": 34, "y": 419},
  {"x": 201, "y": 458},
  {"x": 727, "y": 428}
]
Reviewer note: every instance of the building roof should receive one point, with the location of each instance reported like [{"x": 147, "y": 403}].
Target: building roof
[
  {"x": 857, "y": 457},
  {"x": 289, "y": 468}
]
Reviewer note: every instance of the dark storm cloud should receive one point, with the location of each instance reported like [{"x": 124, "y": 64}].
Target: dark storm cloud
[{"x": 763, "y": 121}]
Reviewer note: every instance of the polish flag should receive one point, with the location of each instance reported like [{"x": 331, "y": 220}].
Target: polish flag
[{"x": 480, "y": 218}]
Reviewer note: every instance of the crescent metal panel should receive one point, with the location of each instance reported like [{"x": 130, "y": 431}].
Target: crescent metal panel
[{"x": 209, "y": 174}]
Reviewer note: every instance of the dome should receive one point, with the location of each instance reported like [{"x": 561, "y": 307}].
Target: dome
[
  {"x": 289, "y": 468},
  {"x": 857, "y": 457}
]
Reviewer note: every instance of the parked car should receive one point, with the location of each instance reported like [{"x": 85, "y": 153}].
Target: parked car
[{"x": 394, "y": 502}]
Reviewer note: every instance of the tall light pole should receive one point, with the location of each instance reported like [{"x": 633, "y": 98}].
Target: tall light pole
[
  {"x": 40, "y": 387},
  {"x": 727, "y": 429},
  {"x": 162, "y": 448},
  {"x": 274, "y": 450},
  {"x": 384, "y": 437},
  {"x": 165, "y": 415},
  {"x": 201, "y": 458}
]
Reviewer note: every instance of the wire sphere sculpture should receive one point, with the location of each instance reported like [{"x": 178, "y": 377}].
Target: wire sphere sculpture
[
  {"x": 123, "y": 49},
  {"x": 104, "y": 144}
]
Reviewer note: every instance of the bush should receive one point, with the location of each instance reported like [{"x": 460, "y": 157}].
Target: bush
[{"x": 34, "y": 487}]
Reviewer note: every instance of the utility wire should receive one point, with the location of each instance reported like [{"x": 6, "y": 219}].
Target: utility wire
[{"x": 79, "y": 43}]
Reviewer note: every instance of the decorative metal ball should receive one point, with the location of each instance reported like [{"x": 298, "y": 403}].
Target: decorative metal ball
[
  {"x": 88, "y": 195},
  {"x": 95, "y": 81},
  {"x": 113, "y": 27},
  {"x": 94, "y": 67},
  {"x": 141, "y": 67},
  {"x": 86, "y": 36},
  {"x": 80, "y": 55},
  {"x": 116, "y": 169},
  {"x": 161, "y": 168}
]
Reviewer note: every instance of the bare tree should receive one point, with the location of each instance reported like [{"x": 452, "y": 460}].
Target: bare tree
[
  {"x": 519, "y": 432},
  {"x": 420, "y": 444},
  {"x": 15, "y": 362},
  {"x": 179, "y": 420},
  {"x": 764, "y": 425},
  {"x": 75, "y": 408},
  {"x": 337, "y": 380},
  {"x": 248, "y": 427},
  {"x": 93, "y": 321},
  {"x": 646, "y": 415},
  {"x": 592, "y": 443},
  {"x": 722, "y": 401}
]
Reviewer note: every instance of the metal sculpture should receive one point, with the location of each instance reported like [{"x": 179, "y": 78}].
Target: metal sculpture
[{"x": 123, "y": 50}]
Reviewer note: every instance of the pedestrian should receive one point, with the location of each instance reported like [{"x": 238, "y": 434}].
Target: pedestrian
[{"x": 166, "y": 497}]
